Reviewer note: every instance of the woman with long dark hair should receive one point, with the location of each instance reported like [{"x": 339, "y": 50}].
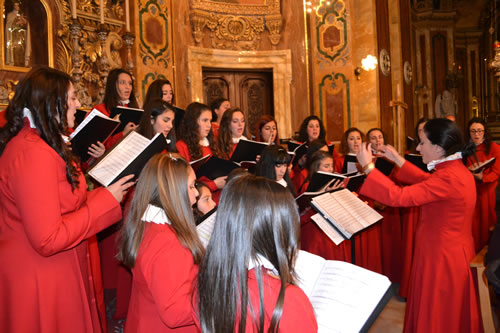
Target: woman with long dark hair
[
  {"x": 46, "y": 214},
  {"x": 160, "y": 244},
  {"x": 311, "y": 129},
  {"x": 254, "y": 289},
  {"x": 486, "y": 181},
  {"x": 119, "y": 92},
  {"x": 196, "y": 140},
  {"x": 440, "y": 274},
  {"x": 159, "y": 117},
  {"x": 232, "y": 129}
]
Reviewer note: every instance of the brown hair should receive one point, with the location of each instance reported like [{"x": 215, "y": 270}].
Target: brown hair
[
  {"x": 190, "y": 130},
  {"x": 344, "y": 148},
  {"x": 225, "y": 138},
  {"x": 261, "y": 123},
  {"x": 162, "y": 183}
]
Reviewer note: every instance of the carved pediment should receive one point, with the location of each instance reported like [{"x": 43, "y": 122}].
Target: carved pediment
[{"x": 237, "y": 26}]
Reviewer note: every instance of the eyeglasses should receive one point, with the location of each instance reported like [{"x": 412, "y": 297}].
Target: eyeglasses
[{"x": 476, "y": 131}]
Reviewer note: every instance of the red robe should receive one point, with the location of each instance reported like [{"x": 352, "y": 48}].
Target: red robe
[
  {"x": 442, "y": 296},
  {"x": 297, "y": 315},
  {"x": 44, "y": 226},
  {"x": 485, "y": 215},
  {"x": 164, "y": 272},
  {"x": 367, "y": 243}
]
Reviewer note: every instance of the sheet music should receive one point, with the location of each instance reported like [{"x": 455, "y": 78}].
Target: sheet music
[
  {"x": 327, "y": 229},
  {"x": 336, "y": 212},
  {"x": 92, "y": 114},
  {"x": 363, "y": 213},
  {"x": 119, "y": 158},
  {"x": 343, "y": 295},
  {"x": 206, "y": 228}
]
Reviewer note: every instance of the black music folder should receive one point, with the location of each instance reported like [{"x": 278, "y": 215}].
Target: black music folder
[
  {"x": 127, "y": 157},
  {"x": 484, "y": 165},
  {"x": 95, "y": 127},
  {"x": 126, "y": 115},
  {"x": 383, "y": 165},
  {"x": 216, "y": 167},
  {"x": 247, "y": 150}
]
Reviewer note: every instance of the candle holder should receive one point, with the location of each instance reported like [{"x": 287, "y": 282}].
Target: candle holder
[
  {"x": 75, "y": 30},
  {"x": 129, "y": 39},
  {"x": 102, "y": 34}
]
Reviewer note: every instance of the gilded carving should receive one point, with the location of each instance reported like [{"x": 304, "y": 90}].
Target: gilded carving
[
  {"x": 236, "y": 26},
  {"x": 91, "y": 51}
]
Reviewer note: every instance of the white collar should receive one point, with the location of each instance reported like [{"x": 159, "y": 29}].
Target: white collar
[
  {"x": 432, "y": 164},
  {"x": 204, "y": 142},
  {"x": 155, "y": 214},
  {"x": 125, "y": 102},
  {"x": 480, "y": 143},
  {"x": 261, "y": 261},
  {"x": 282, "y": 182},
  {"x": 236, "y": 140},
  {"x": 27, "y": 114}
]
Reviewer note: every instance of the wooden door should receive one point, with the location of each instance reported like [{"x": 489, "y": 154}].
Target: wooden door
[{"x": 251, "y": 91}]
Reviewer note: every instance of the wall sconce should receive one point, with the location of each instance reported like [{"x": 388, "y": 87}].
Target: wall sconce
[{"x": 368, "y": 63}]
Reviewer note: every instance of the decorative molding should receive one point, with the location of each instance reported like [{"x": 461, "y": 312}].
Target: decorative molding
[
  {"x": 267, "y": 7},
  {"x": 333, "y": 21},
  {"x": 235, "y": 26},
  {"x": 407, "y": 72},
  {"x": 333, "y": 84},
  {"x": 384, "y": 61}
]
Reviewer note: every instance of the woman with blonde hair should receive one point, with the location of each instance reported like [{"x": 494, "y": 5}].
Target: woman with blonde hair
[{"x": 160, "y": 245}]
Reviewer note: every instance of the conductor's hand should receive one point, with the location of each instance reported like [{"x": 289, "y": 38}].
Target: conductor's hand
[
  {"x": 97, "y": 150},
  {"x": 128, "y": 128},
  {"x": 220, "y": 182},
  {"x": 392, "y": 154},
  {"x": 119, "y": 188},
  {"x": 365, "y": 154}
]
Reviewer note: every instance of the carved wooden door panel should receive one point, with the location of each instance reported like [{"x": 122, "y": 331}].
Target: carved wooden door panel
[{"x": 252, "y": 91}]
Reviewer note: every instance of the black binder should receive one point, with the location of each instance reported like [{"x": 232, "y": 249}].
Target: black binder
[
  {"x": 216, "y": 167},
  {"x": 127, "y": 115},
  {"x": 97, "y": 129},
  {"x": 247, "y": 150}
]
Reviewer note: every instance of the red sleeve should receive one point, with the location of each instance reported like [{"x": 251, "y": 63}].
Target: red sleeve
[
  {"x": 338, "y": 164},
  {"x": 381, "y": 188},
  {"x": 170, "y": 271},
  {"x": 113, "y": 140},
  {"x": 491, "y": 175},
  {"x": 298, "y": 314},
  {"x": 183, "y": 150},
  {"x": 36, "y": 191}
]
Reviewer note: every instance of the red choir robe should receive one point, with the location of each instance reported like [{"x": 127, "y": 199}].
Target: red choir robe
[
  {"x": 297, "y": 315},
  {"x": 485, "y": 215},
  {"x": 45, "y": 265},
  {"x": 367, "y": 242},
  {"x": 442, "y": 296},
  {"x": 162, "y": 285},
  {"x": 391, "y": 239}
]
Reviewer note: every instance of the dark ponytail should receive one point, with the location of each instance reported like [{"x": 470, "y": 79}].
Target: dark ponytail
[{"x": 445, "y": 133}]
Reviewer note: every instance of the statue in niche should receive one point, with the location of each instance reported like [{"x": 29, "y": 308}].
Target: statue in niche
[
  {"x": 446, "y": 104},
  {"x": 17, "y": 37}
]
